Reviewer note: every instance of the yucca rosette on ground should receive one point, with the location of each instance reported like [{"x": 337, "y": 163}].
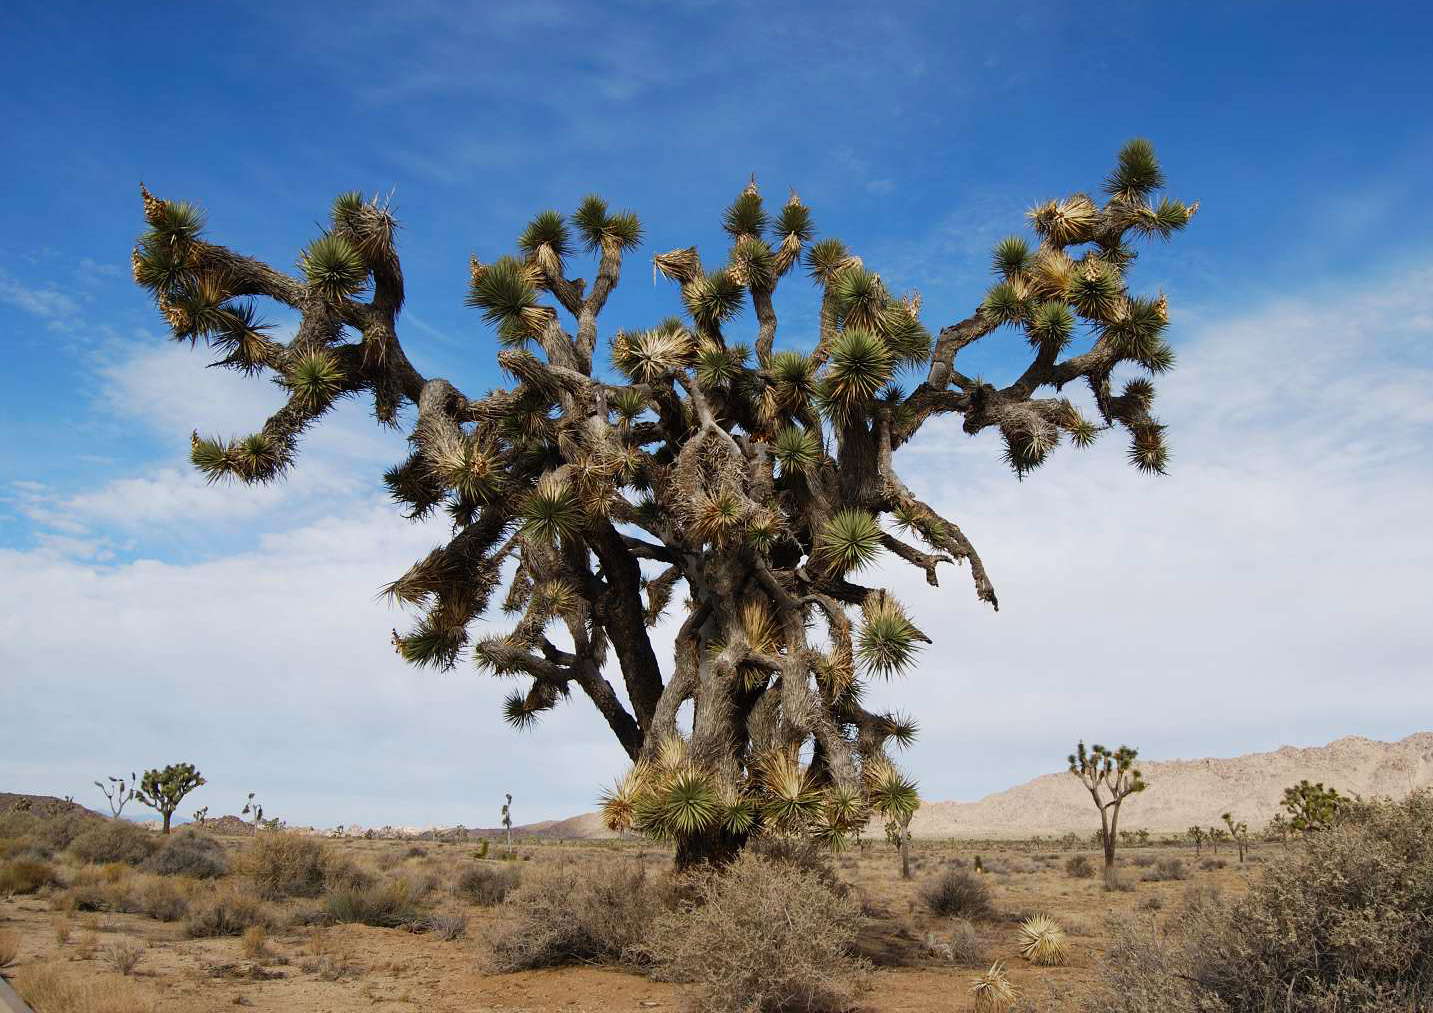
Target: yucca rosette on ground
[{"x": 740, "y": 495}]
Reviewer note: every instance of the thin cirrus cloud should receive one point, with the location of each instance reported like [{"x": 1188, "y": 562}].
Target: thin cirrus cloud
[{"x": 1266, "y": 591}]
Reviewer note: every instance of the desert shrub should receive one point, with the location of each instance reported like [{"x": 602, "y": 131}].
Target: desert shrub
[
  {"x": 254, "y": 942},
  {"x": 162, "y": 901},
  {"x": 415, "y": 852},
  {"x": 113, "y": 841},
  {"x": 53, "y": 835},
  {"x": 957, "y": 894},
  {"x": 761, "y": 937},
  {"x": 188, "y": 853},
  {"x": 227, "y": 914},
  {"x": 387, "y": 905},
  {"x": 965, "y": 946},
  {"x": 1079, "y": 867},
  {"x": 55, "y": 987},
  {"x": 448, "y": 927},
  {"x": 1143, "y": 861},
  {"x": 25, "y": 875},
  {"x": 485, "y": 885},
  {"x": 18, "y": 824},
  {"x": 800, "y": 853},
  {"x": 1340, "y": 924},
  {"x": 124, "y": 955},
  {"x": 1167, "y": 869},
  {"x": 1150, "y": 903},
  {"x": 1210, "y": 864},
  {"x": 284, "y": 865},
  {"x": 569, "y": 912}
]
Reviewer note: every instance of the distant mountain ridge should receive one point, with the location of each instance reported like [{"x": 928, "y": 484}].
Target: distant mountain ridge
[{"x": 1181, "y": 793}]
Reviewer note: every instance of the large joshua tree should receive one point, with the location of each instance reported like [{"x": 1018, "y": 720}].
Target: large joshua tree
[{"x": 754, "y": 483}]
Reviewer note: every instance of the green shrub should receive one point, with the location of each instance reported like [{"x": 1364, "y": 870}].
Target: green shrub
[
  {"x": 957, "y": 894},
  {"x": 485, "y": 885},
  {"x": 763, "y": 936},
  {"x": 113, "y": 841},
  {"x": 1340, "y": 925},
  {"x": 25, "y": 875},
  {"x": 188, "y": 853},
  {"x": 569, "y": 913},
  {"x": 282, "y": 864}
]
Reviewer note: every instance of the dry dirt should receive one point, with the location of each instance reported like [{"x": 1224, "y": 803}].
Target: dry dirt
[{"x": 354, "y": 967}]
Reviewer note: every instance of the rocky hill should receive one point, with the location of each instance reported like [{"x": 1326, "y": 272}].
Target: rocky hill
[{"x": 1182, "y": 793}]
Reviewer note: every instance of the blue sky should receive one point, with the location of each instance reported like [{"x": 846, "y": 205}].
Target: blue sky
[{"x": 1281, "y": 564}]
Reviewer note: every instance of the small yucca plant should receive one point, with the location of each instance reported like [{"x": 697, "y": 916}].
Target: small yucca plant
[
  {"x": 992, "y": 991},
  {"x": 1042, "y": 942}
]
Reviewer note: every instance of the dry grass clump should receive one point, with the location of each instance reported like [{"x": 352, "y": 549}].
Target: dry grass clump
[
  {"x": 63, "y": 928},
  {"x": 52, "y": 987},
  {"x": 282, "y": 865},
  {"x": 26, "y": 875},
  {"x": 965, "y": 946},
  {"x": 9, "y": 947},
  {"x": 957, "y": 894},
  {"x": 388, "y": 905},
  {"x": 569, "y": 912},
  {"x": 992, "y": 990},
  {"x": 161, "y": 900},
  {"x": 1079, "y": 867},
  {"x": 1339, "y": 924},
  {"x": 1042, "y": 942},
  {"x": 113, "y": 841},
  {"x": 254, "y": 942},
  {"x": 448, "y": 927},
  {"x": 188, "y": 853},
  {"x": 226, "y": 914},
  {"x": 124, "y": 955},
  {"x": 1167, "y": 869},
  {"x": 762, "y": 936},
  {"x": 486, "y": 885}
]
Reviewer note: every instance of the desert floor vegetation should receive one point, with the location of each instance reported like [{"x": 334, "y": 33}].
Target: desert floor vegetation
[{"x": 285, "y": 922}]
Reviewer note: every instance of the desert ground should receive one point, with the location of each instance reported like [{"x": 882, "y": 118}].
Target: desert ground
[{"x": 76, "y": 931}]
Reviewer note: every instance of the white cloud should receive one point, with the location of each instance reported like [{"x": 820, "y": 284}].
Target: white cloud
[
  {"x": 45, "y": 302},
  {"x": 1270, "y": 590}
]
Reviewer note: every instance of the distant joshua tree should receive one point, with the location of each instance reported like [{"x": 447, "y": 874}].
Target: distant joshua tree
[
  {"x": 1215, "y": 837},
  {"x": 1312, "y": 807},
  {"x": 750, "y": 482},
  {"x": 1239, "y": 833},
  {"x": 118, "y": 793},
  {"x": 507, "y": 818},
  {"x": 1196, "y": 834},
  {"x": 163, "y": 790},
  {"x": 253, "y": 809},
  {"x": 1103, "y": 771}
]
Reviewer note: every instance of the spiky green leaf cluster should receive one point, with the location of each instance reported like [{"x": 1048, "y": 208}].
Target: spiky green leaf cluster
[
  {"x": 850, "y": 540},
  {"x": 335, "y": 270},
  {"x": 600, "y": 229}
]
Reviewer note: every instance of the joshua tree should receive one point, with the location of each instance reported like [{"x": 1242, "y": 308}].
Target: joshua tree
[
  {"x": 117, "y": 793},
  {"x": 1103, "y": 770},
  {"x": 163, "y": 790},
  {"x": 507, "y": 818},
  {"x": 1239, "y": 833},
  {"x": 898, "y": 830},
  {"x": 1196, "y": 834},
  {"x": 1278, "y": 829},
  {"x": 1312, "y": 806},
  {"x": 252, "y": 808},
  {"x": 200, "y": 815},
  {"x": 749, "y": 483},
  {"x": 1214, "y": 835}
]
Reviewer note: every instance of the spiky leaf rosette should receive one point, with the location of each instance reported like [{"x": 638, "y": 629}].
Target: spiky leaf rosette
[
  {"x": 713, "y": 299},
  {"x": 795, "y": 382},
  {"x": 334, "y": 269},
  {"x": 619, "y": 804},
  {"x": 790, "y": 800},
  {"x": 859, "y": 297},
  {"x": 1050, "y": 326},
  {"x": 687, "y": 805},
  {"x": 888, "y": 641},
  {"x": 601, "y": 230},
  {"x": 1007, "y": 302},
  {"x": 861, "y": 364},
  {"x": 826, "y": 259},
  {"x": 890, "y": 792},
  {"x": 1011, "y": 256},
  {"x": 553, "y": 510},
  {"x": 314, "y": 381},
  {"x": 797, "y": 449},
  {"x": 992, "y": 990},
  {"x": 849, "y": 541},
  {"x": 506, "y": 292},
  {"x": 745, "y": 217},
  {"x": 1042, "y": 942},
  {"x": 1138, "y": 173},
  {"x": 546, "y": 241}
]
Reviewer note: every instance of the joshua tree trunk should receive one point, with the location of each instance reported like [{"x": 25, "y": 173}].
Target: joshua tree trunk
[
  {"x": 167, "y": 816},
  {"x": 715, "y": 847},
  {"x": 1110, "y": 821}
]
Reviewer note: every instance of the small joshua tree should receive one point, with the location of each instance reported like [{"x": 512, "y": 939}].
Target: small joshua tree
[
  {"x": 1103, "y": 771},
  {"x": 200, "y": 815},
  {"x": 1215, "y": 837},
  {"x": 1196, "y": 834},
  {"x": 507, "y": 818},
  {"x": 1278, "y": 829},
  {"x": 118, "y": 793},
  {"x": 1238, "y": 833},
  {"x": 163, "y": 790},
  {"x": 253, "y": 809},
  {"x": 746, "y": 483},
  {"x": 1312, "y": 807}
]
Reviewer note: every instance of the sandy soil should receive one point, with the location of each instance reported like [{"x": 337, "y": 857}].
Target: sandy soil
[{"x": 354, "y": 967}]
